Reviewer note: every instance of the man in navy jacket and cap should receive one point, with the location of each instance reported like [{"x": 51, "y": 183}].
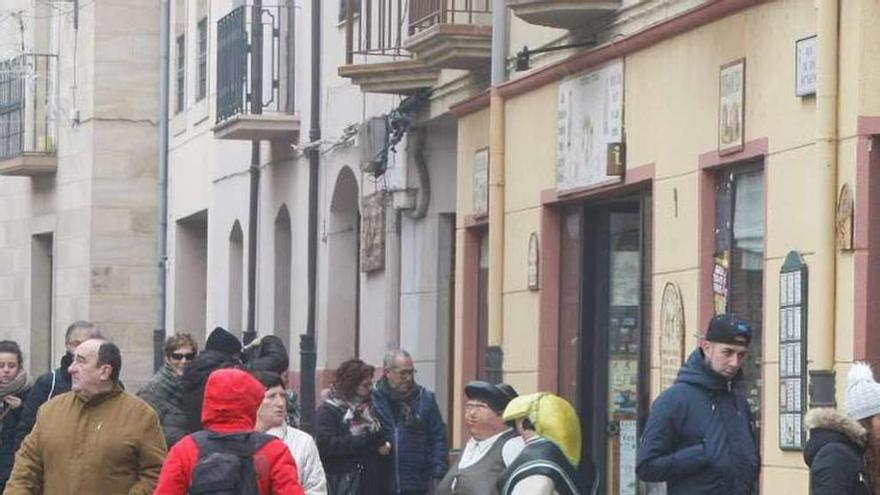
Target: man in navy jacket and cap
[{"x": 699, "y": 437}]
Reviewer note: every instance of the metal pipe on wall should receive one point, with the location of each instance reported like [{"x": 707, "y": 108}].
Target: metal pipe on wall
[
  {"x": 494, "y": 357},
  {"x": 254, "y": 171},
  {"x": 823, "y": 275},
  {"x": 164, "y": 60},
  {"x": 307, "y": 342}
]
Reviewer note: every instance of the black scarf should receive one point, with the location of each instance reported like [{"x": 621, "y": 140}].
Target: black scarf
[{"x": 405, "y": 403}]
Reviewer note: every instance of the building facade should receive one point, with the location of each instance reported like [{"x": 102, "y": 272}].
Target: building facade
[
  {"x": 78, "y": 148},
  {"x": 385, "y": 208},
  {"x": 702, "y": 157}
]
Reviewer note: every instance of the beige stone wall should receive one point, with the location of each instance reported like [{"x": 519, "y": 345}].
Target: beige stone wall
[{"x": 100, "y": 206}]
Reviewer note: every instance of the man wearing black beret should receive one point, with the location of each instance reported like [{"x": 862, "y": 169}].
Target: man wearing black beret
[
  {"x": 699, "y": 437},
  {"x": 492, "y": 446}
]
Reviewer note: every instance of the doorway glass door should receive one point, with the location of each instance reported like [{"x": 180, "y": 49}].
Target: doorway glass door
[{"x": 624, "y": 346}]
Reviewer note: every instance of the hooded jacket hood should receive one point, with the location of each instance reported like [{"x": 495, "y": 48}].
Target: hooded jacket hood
[
  {"x": 232, "y": 398},
  {"x": 697, "y": 372},
  {"x": 826, "y": 425}
]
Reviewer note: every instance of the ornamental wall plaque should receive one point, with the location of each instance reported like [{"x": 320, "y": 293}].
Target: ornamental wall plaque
[{"x": 672, "y": 335}]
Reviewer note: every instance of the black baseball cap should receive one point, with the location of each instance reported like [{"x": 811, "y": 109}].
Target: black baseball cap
[{"x": 728, "y": 329}]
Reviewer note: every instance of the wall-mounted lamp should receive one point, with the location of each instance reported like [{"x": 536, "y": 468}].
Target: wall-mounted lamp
[{"x": 522, "y": 57}]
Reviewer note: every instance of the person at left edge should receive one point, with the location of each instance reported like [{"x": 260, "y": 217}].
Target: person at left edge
[{"x": 98, "y": 439}]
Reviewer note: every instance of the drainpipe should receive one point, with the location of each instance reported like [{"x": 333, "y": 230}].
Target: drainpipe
[
  {"x": 164, "y": 36},
  {"x": 823, "y": 275},
  {"x": 307, "y": 341},
  {"x": 494, "y": 355},
  {"x": 254, "y": 171}
]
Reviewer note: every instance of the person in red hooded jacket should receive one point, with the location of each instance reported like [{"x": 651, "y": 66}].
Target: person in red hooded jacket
[{"x": 232, "y": 398}]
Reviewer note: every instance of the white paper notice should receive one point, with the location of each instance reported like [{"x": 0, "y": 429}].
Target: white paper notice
[{"x": 628, "y": 442}]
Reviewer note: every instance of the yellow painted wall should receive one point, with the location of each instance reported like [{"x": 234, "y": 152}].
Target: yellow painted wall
[
  {"x": 671, "y": 112},
  {"x": 473, "y": 134}
]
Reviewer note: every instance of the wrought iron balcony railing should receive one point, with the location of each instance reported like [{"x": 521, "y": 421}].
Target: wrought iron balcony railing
[
  {"x": 254, "y": 63},
  {"x": 380, "y": 27},
  {"x": 27, "y": 105}
]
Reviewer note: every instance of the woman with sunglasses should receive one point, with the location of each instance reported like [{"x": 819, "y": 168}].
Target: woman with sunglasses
[{"x": 164, "y": 391}]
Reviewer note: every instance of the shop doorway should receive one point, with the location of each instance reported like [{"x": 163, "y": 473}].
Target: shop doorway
[{"x": 606, "y": 259}]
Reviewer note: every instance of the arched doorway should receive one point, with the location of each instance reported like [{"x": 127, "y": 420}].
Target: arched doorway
[
  {"x": 343, "y": 289},
  {"x": 281, "y": 324}
]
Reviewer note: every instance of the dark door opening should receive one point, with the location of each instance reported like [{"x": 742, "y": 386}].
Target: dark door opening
[{"x": 614, "y": 358}]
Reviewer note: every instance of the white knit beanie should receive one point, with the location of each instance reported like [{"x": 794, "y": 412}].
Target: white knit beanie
[{"x": 862, "y": 392}]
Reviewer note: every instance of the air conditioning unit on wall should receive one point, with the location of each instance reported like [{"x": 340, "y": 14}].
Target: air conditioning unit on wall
[{"x": 373, "y": 142}]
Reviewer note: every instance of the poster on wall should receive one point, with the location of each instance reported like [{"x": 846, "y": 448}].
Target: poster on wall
[
  {"x": 590, "y": 119},
  {"x": 373, "y": 232},
  {"x": 628, "y": 447},
  {"x": 731, "y": 107},
  {"x": 481, "y": 181}
]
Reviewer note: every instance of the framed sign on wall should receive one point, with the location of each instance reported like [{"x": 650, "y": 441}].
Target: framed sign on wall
[
  {"x": 792, "y": 352},
  {"x": 731, "y": 107}
]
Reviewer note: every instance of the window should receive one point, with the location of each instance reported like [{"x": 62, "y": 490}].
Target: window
[
  {"x": 202, "y": 88},
  {"x": 181, "y": 73},
  {"x": 739, "y": 262},
  {"x": 343, "y": 8}
]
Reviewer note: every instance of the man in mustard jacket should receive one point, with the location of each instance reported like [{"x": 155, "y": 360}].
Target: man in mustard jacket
[{"x": 97, "y": 439}]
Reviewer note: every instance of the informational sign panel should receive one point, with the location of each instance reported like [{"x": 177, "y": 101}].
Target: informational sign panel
[
  {"x": 792, "y": 352},
  {"x": 481, "y": 181},
  {"x": 805, "y": 65},
  {"x": 590, "y": 118}
]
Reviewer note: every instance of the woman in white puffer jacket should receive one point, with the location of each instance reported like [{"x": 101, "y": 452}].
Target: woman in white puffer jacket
[{"x": 272, "y": 419}]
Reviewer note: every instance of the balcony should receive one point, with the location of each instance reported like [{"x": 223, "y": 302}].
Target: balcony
[
  {"x": 28, "y": 132},
  {"x": 451, "y": 34},
  {"x": 565, "y": 14},
  {"x": 255, "y": 76},
  {"x": 400, "y": 47}
]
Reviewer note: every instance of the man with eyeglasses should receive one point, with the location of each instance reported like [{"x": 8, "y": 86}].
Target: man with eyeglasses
[
  {"x": 164, "y": 391},
  {"x": 413, "y": 427},
  {"x": 492, "y": 447},
  {"x": 699, "y": 438}
]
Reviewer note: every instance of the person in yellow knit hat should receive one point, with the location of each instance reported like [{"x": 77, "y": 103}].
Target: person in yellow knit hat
[{"x": 548, "y": 465}]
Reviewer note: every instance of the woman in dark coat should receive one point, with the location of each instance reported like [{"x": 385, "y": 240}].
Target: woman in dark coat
[
  {"x": 349, "y": 437},
  {"x": 14, "y": 388},
  {"x": 836, "y": 450},
  {"x": 164, "y": 391}
]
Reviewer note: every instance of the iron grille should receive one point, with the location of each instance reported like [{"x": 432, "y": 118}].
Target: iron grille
[
  {"x": 27, "y": 88},
  {"x": 232, "y": 52},
  {"x": 241, "y": 43}
]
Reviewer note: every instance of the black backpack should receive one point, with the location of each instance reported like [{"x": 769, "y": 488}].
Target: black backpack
[{"x": 226, "y": 463}]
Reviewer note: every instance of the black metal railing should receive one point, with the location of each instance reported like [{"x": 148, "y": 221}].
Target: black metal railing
[
  {"x": 426, "y": 13},
  {"x": 380, "y": 27},
  {"x": 253, "y": 62},
  {"x": 27, "y": 105}
]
